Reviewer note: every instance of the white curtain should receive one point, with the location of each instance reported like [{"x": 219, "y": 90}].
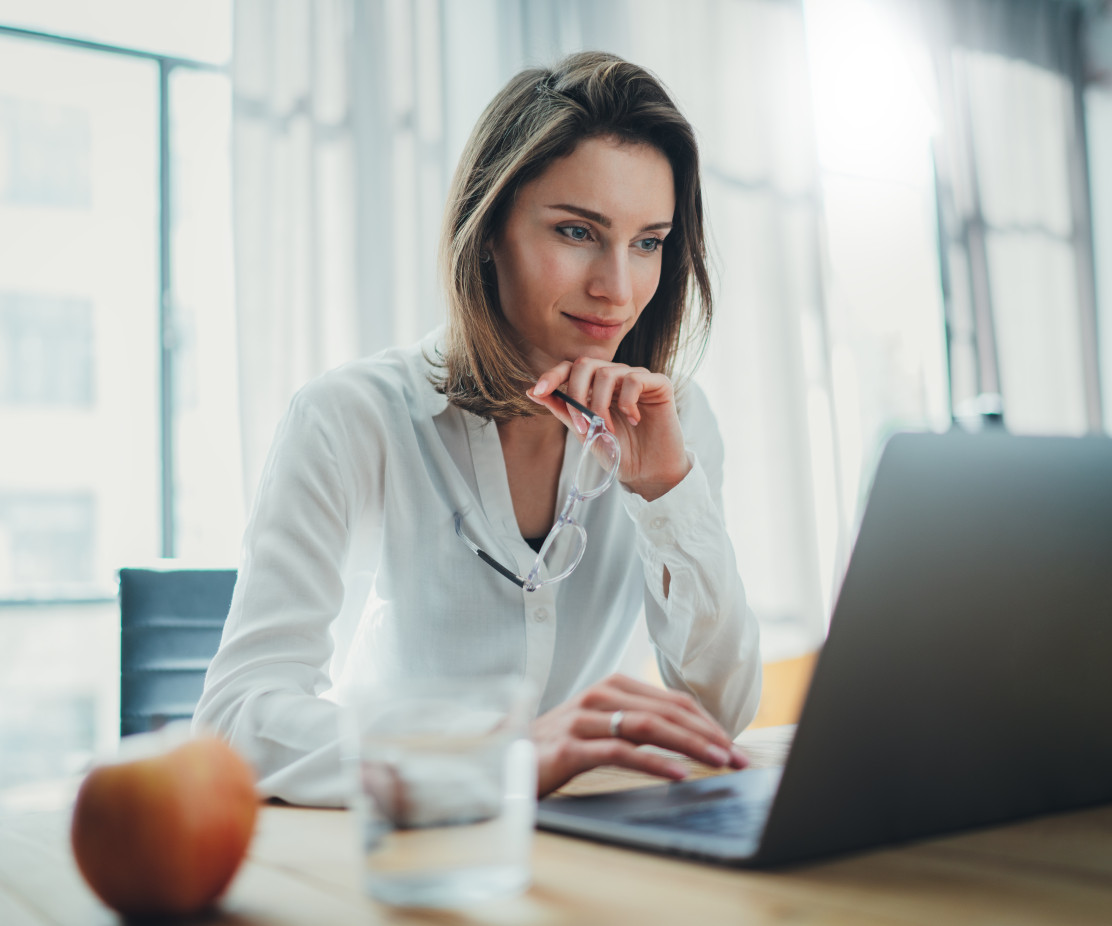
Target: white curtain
[
  {"x": 1098, "y": 122},
  {"x": 1015, "y": 209},
  {"x": 294, "y": 165},
  {"x": 739, "y": 71},
  {"x": 831, "y": 327}
]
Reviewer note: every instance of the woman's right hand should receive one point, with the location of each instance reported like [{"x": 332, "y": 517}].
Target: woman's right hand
[{"x": 576, "y": 736}]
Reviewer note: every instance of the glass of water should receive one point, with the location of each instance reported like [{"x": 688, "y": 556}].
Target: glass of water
[{"x": 443, "y": 787}]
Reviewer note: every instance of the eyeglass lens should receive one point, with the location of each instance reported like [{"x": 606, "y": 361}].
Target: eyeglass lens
[
  {"x": 597, "y": 464},
  {"x": 564, "y": 550}
]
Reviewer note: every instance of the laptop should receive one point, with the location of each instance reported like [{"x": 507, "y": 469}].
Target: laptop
[{"x": 966, "y": 679}]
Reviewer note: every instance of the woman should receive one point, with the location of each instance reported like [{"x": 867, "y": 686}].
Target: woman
[{"x": 573, "y": 254}]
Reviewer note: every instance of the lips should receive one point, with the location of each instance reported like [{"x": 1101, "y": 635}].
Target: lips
[{"x": 601, "y": 329}]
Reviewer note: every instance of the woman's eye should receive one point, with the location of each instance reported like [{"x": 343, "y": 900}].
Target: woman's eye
[
  {"x": 649, "y": 244},
  {"x": 575, "y": 232}
]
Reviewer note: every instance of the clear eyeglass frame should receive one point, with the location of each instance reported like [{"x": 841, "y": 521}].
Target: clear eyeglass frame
[{"x": 598, "y": 445}]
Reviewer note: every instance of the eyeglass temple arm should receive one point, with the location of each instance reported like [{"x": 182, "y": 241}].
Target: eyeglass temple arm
[
  {"x": 567, "y": 399},
  {"x": 484, "y": 556},
  {"x": 491, "y": 561}
]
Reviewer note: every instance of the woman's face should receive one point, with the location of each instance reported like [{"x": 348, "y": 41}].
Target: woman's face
[{"x": 579, "y": 256}]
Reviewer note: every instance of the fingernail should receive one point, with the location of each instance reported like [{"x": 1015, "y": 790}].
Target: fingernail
[
  {"x": 531, "y": 393},
  {"x": 631, "y": 420},
  {"x": 740, "y": 759},
  {"x": 579, "y": 421},
  {"x": 675, "y": 770},
  {"x": 718, "y": 755},
  {"x": 541, "y": 386}
]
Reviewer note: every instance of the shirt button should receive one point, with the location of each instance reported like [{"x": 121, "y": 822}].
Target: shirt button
[
  {"x": 540, "y": 614},
  {"x": 658, "y": 523}
]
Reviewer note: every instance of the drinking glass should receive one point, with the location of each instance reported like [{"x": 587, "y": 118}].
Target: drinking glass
[{"x": 443, "y": 787}]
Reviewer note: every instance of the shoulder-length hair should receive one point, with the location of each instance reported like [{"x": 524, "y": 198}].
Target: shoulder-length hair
[{"x": 541, "y": 115}]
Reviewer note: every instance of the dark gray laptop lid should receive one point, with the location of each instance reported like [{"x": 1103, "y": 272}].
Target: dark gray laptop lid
[{"x": 967, "y": 676}]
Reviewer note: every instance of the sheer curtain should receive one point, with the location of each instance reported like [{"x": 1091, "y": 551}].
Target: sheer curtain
[
  {"x": 1098, "y": 122},
  {"x": 294, "y": 165},
  {"x": 855, "y": 296},
  {"x": 1014, "y": 204},
  {"x": 739, "y": 71}
]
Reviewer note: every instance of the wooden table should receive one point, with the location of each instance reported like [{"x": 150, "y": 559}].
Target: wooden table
[{"x": 303, "y": 869}]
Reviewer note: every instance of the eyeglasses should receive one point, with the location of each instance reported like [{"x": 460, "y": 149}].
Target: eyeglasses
[{"x": 563, "y": 547}]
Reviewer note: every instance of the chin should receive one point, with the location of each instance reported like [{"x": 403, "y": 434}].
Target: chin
[
  {"x": 571, "y": 350},
  {"x": 592, "y": 352}
]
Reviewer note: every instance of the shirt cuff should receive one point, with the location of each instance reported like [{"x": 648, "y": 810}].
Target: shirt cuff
[{"x": 666, "y": 519}]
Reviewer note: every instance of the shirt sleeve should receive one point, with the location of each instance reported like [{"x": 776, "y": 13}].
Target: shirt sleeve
[
  {"x": 705, "y": 634},
  {"x": 262, "y": 691}
]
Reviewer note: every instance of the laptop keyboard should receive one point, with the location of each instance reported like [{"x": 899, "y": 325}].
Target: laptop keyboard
[{"x": 729, "y": 818}]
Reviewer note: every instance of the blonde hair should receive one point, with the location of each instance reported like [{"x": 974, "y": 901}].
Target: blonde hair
[{"x": 540, "y": 116}]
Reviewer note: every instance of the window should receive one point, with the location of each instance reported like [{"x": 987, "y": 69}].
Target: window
[
  {"x": 79, "y": 311},
  {"x": 117, "y": 373}
]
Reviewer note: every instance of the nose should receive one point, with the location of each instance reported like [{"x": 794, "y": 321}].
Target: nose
[{"x": 611, "y": 278}]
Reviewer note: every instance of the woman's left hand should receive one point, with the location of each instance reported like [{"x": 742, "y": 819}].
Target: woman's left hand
[
  {"x": 608, "y": 722},
  {"x": 638, "y": 408}
]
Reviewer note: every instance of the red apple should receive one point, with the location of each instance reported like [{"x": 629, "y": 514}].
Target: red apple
[{"x": 165, "y": 834}]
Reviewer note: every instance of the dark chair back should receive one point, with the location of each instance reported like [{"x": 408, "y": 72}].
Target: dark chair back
[{"x": 170, "y": 626}]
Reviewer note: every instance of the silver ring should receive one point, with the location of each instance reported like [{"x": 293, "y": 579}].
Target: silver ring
[{"x": 616, "y": 723}]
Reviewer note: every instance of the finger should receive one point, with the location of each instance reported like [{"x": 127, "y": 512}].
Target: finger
[
  {"x": 646, "y": 728},
  {"x": 691, "y": 729},
  {"x": 593, "y": 753},
  {"x": 605, "y": 383},
  {"x": 671, "y": 711},
  {"x": 578, "y": 388},
  {"x": 557, "y": 407},
  {"x": 551, "y": 379},
  {"x": 676, "y": 700},
  {"x": 629, "y": 397},
  {"x": 581, "y": 377},
  {"x": 563, "y": 407},
  {"x": 680, "y": 700},
  {"x": 649, "y": 727}
]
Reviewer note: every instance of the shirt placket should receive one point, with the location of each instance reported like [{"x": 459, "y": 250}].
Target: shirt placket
[{"x": 538, "y": 608}]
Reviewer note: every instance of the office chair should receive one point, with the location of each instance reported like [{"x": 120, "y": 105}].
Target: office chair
[{"x": 170, "y": 626}]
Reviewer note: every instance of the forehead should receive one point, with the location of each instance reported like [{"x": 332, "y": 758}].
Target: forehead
[{"x": 626, "y": 181}]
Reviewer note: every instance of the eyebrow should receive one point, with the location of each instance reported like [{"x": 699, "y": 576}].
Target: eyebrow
[{"x": 602, "y": 220}]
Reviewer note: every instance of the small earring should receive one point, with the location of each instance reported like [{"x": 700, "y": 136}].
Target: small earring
[{"x": 484, "y": 256}]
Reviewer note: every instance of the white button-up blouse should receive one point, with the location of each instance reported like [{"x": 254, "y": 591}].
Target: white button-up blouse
[{"x": 351, "y": 568}]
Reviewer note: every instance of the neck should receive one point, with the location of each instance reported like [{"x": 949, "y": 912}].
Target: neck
[
  {"x": 533, "y": 450},
  {"x": 533, "y": 433}
]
